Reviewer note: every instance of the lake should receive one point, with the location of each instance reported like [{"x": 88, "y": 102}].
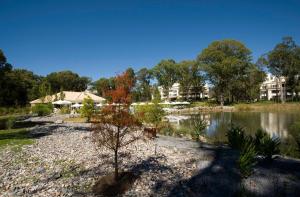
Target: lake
[{"x": 277, "y": 124}]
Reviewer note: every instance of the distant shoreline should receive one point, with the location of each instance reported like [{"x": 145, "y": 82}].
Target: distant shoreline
[{"x": 239, "y": 107}]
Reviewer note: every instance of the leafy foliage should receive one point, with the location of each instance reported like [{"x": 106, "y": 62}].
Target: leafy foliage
[
  {"x": 17, "y": 85},
  {"x": 66, "y": 80},
  {"x": 199, "y": 127},
  {"x": 265, "y": 145},
  {"x": 10, "y": 122},
  {"x": 151, "y": 114},
  {"x": 236, "y": 137},
  {"x": 166, "y": 74},
  {"x": 65, "y": 110},
  {"x": 228, "y": 67},
  {"x": 284, "y": 60},
  {"x": 115, "y": 126},
  {"x": 247, "y": 160},
  {"x": 295, "y": 132},
  {"x": 42, "y": 109},
  {"x": 190, "y": 78},
  {"x": 88, "y": 108}
]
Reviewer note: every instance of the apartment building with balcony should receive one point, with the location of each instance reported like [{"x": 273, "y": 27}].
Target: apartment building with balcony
[
  {"x": 273, "y": 87},
  {"x": 176, "y": 93}
]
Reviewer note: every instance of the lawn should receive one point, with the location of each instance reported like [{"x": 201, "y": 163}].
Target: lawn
[
  {"x": 268, "y": 105},
  {"x": 76, "y": 120},
  {"x": 15, "y": 138}
]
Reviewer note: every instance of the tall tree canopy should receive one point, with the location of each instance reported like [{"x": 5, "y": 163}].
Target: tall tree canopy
[
  {"x": 284, "y": 60},
  {"x": 166, "y": 74},
  {"x": 67, "y": 80},
  {"x": 190, "y": 78},
  {"x": 226, "y": 62},
  {"x": 18, "y": 86},
  {"x": 143, "y": 88},
  {"x": 103, "y": 85}
]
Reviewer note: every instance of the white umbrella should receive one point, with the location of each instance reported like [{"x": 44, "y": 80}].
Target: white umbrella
[
  {"x": 76, "y": 105},
  {"x": 99, "y": 105},
  {"x": 166, "y": 103},
  {"x": 62, "y": 102},
  {"x": 185, "y": 103}
]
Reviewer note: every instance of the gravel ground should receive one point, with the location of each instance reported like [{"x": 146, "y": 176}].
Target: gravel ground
[{"x": 64, "y": 162}]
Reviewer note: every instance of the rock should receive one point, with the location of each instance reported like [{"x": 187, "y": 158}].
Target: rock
[
  {"x": 41, "y": 170},
  {"x": 58, "y": 121}
]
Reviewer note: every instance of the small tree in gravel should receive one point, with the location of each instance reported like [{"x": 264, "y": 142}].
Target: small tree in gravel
[
  {"x": 115, "y": 126},
  {"x": 88, "y": 108}
]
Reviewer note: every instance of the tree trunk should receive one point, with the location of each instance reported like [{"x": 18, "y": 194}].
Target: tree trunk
[
  {"x": 116, "y": 156},
  {"x": 222, "y": 99},
  {"x": 281, "y": 92},
  {"x": 116, "y": 166}
]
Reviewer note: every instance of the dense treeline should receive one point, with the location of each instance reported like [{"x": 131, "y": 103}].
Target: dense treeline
[
  {"x": 19, "y": 86},
  {"x": 226, "y": 65}
]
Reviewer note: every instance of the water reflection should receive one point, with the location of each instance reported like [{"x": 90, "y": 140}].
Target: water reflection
[{"x": 274, "y": 123}]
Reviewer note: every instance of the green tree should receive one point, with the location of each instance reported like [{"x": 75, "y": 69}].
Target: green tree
[
  {"x": 143, "y": 88},
  {"x": 190, "y": 78},
  {"x": 156, "y": 95},
  {"x": 62, "y": 94},
  {"x": 45, "y": 90},
  {"x": 225, "y": 62},
  {"x": 284, "y": 60},
  {"x": 87, "y": 109},
  {"x": 67, "y": 80},
  {"x": 151, "y": 113},
  {"x": 17, "y": 85},
  {"x": 166, "y": 74},
  {"x": 104, "y": 85}
]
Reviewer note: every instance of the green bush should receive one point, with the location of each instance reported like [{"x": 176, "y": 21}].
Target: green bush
[
  {"x": 166, "y": 129},
  {"x": 88, "y": 108},
  {"x": 65, "y": 110},
  {"x": 199, "y": 126},
  {"x": 295, "y": 132},
  {"x": 236, "y": 137},
  {"x": 265, "y": 145},
  {"x": 150, "y": 114},
  {"x": 42, "y": 109},
  {"x": 247, "y": 156},
  {"x": 10, "y": 122},
  {"x": 14, "y": 110}
]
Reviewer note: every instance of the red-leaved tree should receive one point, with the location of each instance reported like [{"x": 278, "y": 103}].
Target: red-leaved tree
[{"x": 115, "y": 126}]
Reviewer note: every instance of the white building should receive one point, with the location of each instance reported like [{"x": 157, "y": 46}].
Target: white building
[
  {"x": 273, "y": 87},
  {"x": 175, "y": 92}
]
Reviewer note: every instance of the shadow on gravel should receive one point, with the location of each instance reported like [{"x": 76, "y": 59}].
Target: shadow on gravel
[
  {"x": 105, "y": 186},
  {"x": 221, "y": 178}
]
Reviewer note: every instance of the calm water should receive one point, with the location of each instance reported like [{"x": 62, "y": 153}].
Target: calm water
[{"x": 275, "y": 123}]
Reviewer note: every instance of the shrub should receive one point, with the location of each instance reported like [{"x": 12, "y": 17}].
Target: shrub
[
  {"x": 7, "y": 122},
  {"x": 236, "y": 137},
  {"x": 11, "y": 120},
  {"x": 150, "y": 114},
  {"x": 295, "y": 132},
  {"x": 265, "y": 145},
  {"x": 246, "y": 159},
  {"x": 199, "y": 127},
  {"x": 166, "y": 129},
  {"x": 42, "y": 109},
  {"x": 88, "y": 108},
  {"x": 65, "y": 110}
]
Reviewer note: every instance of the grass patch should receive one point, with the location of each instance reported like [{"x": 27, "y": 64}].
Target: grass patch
[
  {"x": 15, "y": 138},
  {"x": 204, "y": 104},
  {"x": 268, "y": 106},
  {"x": 76, "y": 120}
]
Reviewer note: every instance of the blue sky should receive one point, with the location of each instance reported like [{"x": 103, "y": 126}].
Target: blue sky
[{"x": 102, "y": 38}]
